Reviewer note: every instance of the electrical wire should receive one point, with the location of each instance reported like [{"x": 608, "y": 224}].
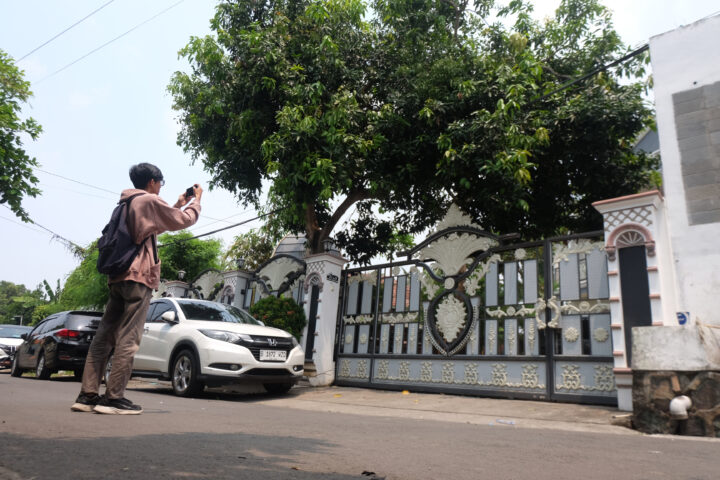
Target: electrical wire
[
  {"x": 569, "y": 84},
  {"x": 116, "y": 193},
  {"x": 219, "y": 219},
  {"x": 68, "y": 28},
  {"x": 263, "y": 215},
  {"x": 110, "y": 41},
  {"x": 22, "y": 225},
  {"x": 76, "y": 249},
  {"x": 77, "y": 181},
  {"x": 45, "y": 186}
]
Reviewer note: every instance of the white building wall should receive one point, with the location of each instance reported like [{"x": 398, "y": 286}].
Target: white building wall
[{"x": 685, "y": 59}]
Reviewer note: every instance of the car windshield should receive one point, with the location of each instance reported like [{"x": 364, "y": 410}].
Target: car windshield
[
  {"x": 216, "y": 312},
  {"x": 12, "y": 331}
]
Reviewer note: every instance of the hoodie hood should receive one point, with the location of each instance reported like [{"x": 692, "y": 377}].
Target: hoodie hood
[{"x": 130, "y": 192}]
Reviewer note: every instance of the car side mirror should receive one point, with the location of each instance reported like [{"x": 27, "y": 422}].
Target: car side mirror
[
  {"x": 169, "y": 317},
  {"x": 24, "y": 336}
]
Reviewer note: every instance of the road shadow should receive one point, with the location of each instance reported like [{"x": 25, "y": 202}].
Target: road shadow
[
  {"x": 185, "y": 455},
  {"x": 228, "y": 394}
]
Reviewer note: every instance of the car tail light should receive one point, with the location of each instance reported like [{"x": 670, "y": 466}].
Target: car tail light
[{"x": 65, "y": 333}]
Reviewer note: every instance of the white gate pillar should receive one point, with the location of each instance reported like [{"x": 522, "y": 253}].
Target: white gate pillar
[
  {"x": 240, "y": 281},
  {"x": 323, "y": 271},
  {"x": 636, "y": 220}
]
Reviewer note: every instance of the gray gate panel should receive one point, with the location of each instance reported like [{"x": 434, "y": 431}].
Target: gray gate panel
[
  {"x": 569, "y": 278},
  {"x": 532, "y": 337},
  {"x": 414, "y": 292},
  {"x": 426, "y": 345},
  {"x": 367, "y": 294},
  {"x": 473, "y": 344},
  {"x": 596, "y": 378},
  {"x": 400, "y": 295},
  {"x": 510, "y": 277},
  {"x": 600, "y": 334},
  {"x": 511, "y": 336},
  {"x": 491, "y": 336},
  {"x": 398, "y": 336},
  {"x": 491, "y": 286},
  {"x": 364, "y": 333},
  {"x": 571, "y": 334},
  {"x": 384, "y": 338},
  {"x": 456, "y": 374},
  {"x": 387, "y": 293},
  {"x": 597, "y": 275},
  {"x": 349, "y": 339},
  {"x": 354, "y": 369},
  {"x": 412, "y": 347},
  {"x": 530, "y": 281},
  {"x": 352, "y": 298}
]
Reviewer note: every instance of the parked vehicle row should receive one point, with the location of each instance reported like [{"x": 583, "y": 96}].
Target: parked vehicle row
[
  {"x": 10, "y": 339},
  {"x": 192, "y": 343},
  {"x": 60, "y": 342}
]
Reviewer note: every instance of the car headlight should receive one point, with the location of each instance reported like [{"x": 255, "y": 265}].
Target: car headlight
[
  {"x": 295, "y": 343},
  {"x": 225, "y": 336}
]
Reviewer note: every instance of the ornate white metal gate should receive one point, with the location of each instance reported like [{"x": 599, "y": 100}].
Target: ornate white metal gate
[{"x": 468, "y": 313}]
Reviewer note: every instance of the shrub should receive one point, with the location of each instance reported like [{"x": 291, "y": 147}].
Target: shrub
[{"x": 282, "y": 313}]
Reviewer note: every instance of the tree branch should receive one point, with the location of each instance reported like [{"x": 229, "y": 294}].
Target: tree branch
[{"x": 352, "y": 198}]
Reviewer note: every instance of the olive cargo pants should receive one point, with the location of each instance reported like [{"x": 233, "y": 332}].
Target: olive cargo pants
[{"x": 120, "y": 332}]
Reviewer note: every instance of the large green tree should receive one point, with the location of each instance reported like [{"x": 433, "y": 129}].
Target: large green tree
[
  {"x": 253, "y": 247},
  {"x": 16, "y": 167},
  {"x": 403, "y": 106},
  {"x": 180, "y": 251}
]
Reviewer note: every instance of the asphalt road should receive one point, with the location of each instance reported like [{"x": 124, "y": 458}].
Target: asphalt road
[{"x": 241, "y": 436}]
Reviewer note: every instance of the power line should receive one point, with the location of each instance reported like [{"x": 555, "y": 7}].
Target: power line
[
  {"x": 22, "y": 224},
  {"x": 77, "y": 181},
  {"x": 110, "y": 41},
  {"x": 70, "y": 27},
  {"x": 46, "y": 185},
  {"x": 569, "y": 84},
  {"x": 116, "y": 193},
  {"x": 76, "y": 249},
  {"x": 219, "y": 219},
  {"x": 263, "y": 215}
]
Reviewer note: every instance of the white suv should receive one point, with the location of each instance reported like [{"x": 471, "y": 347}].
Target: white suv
[{"x": 195, "y": 343}]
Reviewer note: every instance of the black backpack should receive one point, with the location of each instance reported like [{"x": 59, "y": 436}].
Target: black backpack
[{"x": 117, "y": 250}]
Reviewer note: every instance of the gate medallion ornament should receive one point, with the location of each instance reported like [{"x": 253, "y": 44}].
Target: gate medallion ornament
[{"x": 452, "y": 259}]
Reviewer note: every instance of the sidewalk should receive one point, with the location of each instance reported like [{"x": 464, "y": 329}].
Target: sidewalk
[
  {"x": 499, "y": 413},
  {"x": 454, "y": 408}
]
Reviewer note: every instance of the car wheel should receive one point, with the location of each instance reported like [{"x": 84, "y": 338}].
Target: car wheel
[
  {"x": 277, "y": 388},
  {"x": 184, "y": 375},
  {"x": 15, "y": 369},
  {"x": 41, "y": 371}
]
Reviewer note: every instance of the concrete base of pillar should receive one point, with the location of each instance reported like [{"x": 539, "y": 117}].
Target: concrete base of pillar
[
  {"x": 324, "y": 379},
  {"x": 624, "y": 383}
]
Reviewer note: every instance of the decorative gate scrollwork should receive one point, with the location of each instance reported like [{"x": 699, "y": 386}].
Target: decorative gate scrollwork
[{"x": 456, "y": 249}]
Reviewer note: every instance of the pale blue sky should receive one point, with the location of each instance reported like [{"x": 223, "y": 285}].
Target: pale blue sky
[{"x": 111, "y": 110}]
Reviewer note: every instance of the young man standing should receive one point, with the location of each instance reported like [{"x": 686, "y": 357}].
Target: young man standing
[{"x": 121, "y": 327}]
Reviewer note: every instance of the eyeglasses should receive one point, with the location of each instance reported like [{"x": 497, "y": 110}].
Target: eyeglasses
[{"x": 161, "y": 181}]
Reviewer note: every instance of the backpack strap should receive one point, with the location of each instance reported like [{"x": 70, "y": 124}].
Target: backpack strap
[{"x": 155, "y": 249}]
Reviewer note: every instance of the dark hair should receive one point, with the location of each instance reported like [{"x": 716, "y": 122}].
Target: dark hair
[{"x": 142, "y": 173}]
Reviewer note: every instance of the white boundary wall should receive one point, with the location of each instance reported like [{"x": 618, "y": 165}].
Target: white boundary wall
[{"x": 685, "y": 59}]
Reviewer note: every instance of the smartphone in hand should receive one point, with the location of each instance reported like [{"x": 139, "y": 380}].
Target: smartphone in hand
[{"x": 190, "y": 192}]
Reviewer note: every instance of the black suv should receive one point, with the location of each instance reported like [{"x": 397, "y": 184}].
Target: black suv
[{"x": 60, "y": 342}]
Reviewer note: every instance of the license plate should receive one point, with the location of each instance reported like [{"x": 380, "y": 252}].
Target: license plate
[{"x": 270, "y": 355}]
